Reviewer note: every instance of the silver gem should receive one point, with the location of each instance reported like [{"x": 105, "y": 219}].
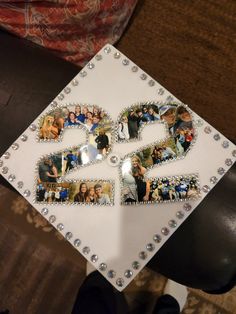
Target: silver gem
[
  {"x": 32, "y": 127},
  {"x": 221, "y": 171},
  {"x": 143, "y": 255},
  {"x": 165, "y": 231},
  {"x": 135, "y": 265},
  {"x": 52, "y": 219},
  {"x": 180, "y": 214},
  {"x": 4, "y": 170},
  {"x": 172, "y": 223},
  {"x": 187, "y": 207},
  {"x": 114, "y": 159},
  {"x": 225, "y": 144},
  {"x": 44, "y": 211},
  {"x": 143, "y": 76},
  {"x": 61, "y": 97},
  {"x": 54, "y": 103},
  {"x": 234, "y": 153},
  {"x": 20, "y": 184},
  {"x": 206, "y": 188},
  {"x": 128, "y": 273},
  {"x": 90, "y": 65},
  {"x": 134, "y": 68},
  {"x": 26, "y": 193},
  {"x": 6, "y": 155},
  {"x": 151, "y": 83},
  {"x": 1, "y": 163},
  {"x": 15, "y": 146},
  {"x": 125, "y": 62},
  {"x": 111, "y": 273},
  {"x": 94, "y": 258},
  {"x": 107, "y": 50},
  {"x": 120, "y": 282},
  {"x": 83, "y": 73},
  {"x": 150, "y": 247},
  {"x": 228, "y": 162},
  {"x": 67, "y": 90},
  {"x": 74, "y": 82},
  {"x": 68, "y": 235},
  {"x": 24, "y": 137},
  {"x": 116, "y": 55},
  {"x": 86, "y": 250},
  {"x": 213, "y": 179},
  {"x": 77, "y": 242},
  {"x": 216, "y": 137},
  {"x": 11, "y": 177},
  {"x": 207, "y": 130},
  {"x": 161, "y": 91},
  {"x": 60, "y": 227},
  {"x": 199, "y": 122},
  {"x": 98, "y": 57},
  {"x": 102, "y": 266},
  {"x": 157, "y": 238}
]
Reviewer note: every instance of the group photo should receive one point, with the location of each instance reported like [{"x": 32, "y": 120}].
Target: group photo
[{"x": 52, "y": 192}]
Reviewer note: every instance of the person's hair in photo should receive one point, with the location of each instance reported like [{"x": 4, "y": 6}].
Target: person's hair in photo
[
  {"x": 91, "y": 198},
  {"x": 82, "y": 195},
  {"x": 77, "y": 110},
  {"x": 71, "y": 118},
  {"x": 137, "y": 168},
  {"x": 183, "y": 114},
  {"x": 96, "y": 112}
]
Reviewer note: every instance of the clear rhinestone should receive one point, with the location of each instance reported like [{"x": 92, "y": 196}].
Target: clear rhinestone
[
  {"x": 32, "y": 127},
  {"x": 107, "y": 50},
  {"x": 6, "y": 155},
  {"x": 199, "y": 122},
  {"x": 207, "y": 130},
  {"x": 216, "y": 137},
  {"x": 114, "y": 159},
  {"x": 74, "y": 82},
  {"x": 125, "y": 62},
  {"x": 213, "y": 179},
  {"x": 150, "y": 247},
  {"x": 15, "y": 146},
  {"x": 90, "y": 65},
  {"x": 111, "y": 273},
  {"x": 135, "y": 265},
  {"x": 24, "y": 137},
  {"x": 169, "y": 98},
  {"x": 143, "y": 255},
  {"x": 94, "y": 258},
  {"x": 60, "y": 226},
  {"x": 20, "y": 184},
  {"x": 234, "y": 153},
  {"x": 151, "y": 83},
  {"x": 77, "y": 242},
  {"x": 26, "y": 193},
  {"x": 102, "y": 266},
  {"x": 180, "y": 214},
  {"x": 206, "y": 188},
  {"x": 187, "y": 207},
  {"x": 44, "y": 211},
  {"x": 1, "y": 163},
  {"x": 161, "y": 91},
  {"x": 228, "y": 162},
  {"x": 4, "y": 170},
  {"x": 221, "y": 171},
  {"x": 172, "y": 223},
  {"x": 225, "y": 144},
  {"x": 61, "y": 97},
  {"x": 128, "y": 273},
  {"x": 68, "y": 235},
  {"x": 98, "y": 57},
  {"x": 11, "y": 177},
  {"x": 134, "y": 68},
  {"x": 67, "y": 90},
  {"x": 53, "y": 103},
  {"x": 86, "y": 250},
  {"x": 52, "y": 219},
  {"x": 83, "y": 73},
  {"x": 143, "y": 76},
  {"x": 116, "y": 55},
  {"x": 120, "y": 282},
  {"x": 157, "y": 238},
  {"x": 165, "y": 231}
]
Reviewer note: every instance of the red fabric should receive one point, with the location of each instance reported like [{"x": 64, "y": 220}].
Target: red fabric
[{"x": 74, "y": 29}]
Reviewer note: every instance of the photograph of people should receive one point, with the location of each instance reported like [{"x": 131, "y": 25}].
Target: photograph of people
[
  {"x": 48, "y": 172},
  {"x": 58, "y": 120},
  {"x": 101, "y": 198},
  {"x": 168, "y": 114},
  {"x": 82, "y": 195},
  {"x": 123, "y": 129},
  {"x": 49, "y": 130},
  {"x": 102, "y": 141},
  {"x": 71, "y": 119},
  {"x": 91, "y": 198},
  {"x": 129, "y": 189},
  {"x": 71, "y": 160},
  {"x": 80, "y": 117},
  {"x": 132, "y": 124},
  {"x": 138, "y": 171}
]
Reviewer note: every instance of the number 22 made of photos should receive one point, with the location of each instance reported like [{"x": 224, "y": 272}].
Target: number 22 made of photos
[{"x": 101, "y": 133}]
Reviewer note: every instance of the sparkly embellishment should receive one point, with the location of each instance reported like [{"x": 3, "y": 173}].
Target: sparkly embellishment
[
  {"x": 102, "y": 266},
  {"x": 77, "y": 242},
  {"x": 150, "y": 247},
  {"x": 6, "y": 155},
  {"x": 172, "y": 223},
  {"x": 94, "y": 258},
  {"x": 1, "y": 163},
  {"x": 60, "y": 226},
  {"x": 52, "y": 219},
  {"x": 111, "y": 273},
  {"x": 44, "y": 211},
  {"x": 11, "y": 177},
  {"x": 165, "y": 231},
  {"x": 4, "y": 170},
  {"x": 86, "y": 250},
  {"x": 143, "y": 76},
  {"x": 24, "y": 138},
  {"x": 207, "y": 130},
  {"x": 114, "y": 159},
  {"x": 134, "y": 68},
  {"x": 206, "y": 188},
  {"x": 228, "y": 162},
  {"x": 187, "y": 207},
  {"x": 234, "y": 153},
  {"x": 143, "y": 255},
  {"x": 157, "y": 238},
  {"x": 90, "y": 65},
  {"x": 74, "y": 82},
  {"x": 135, "y": 265},
  {"x": 221, "y": 171},
  {"x": 120, "y": 282},
  {"x": 125, "y": 62},
  {"x": 83, "y": 73},
  {"x": 32, "y": 127},
  {"x": 107, "y": 50},
  {"x": 20, "y": 184},
  {"x": 67, "y": 90},
  {"x": 53, "y": 103},
  {"x": 15, "y": 146},
  {"x": 199, "y": 122},
  {"x": 151, "y": 83},
  {"x": 128, "y": 273},
  {"x": 98, "y": 57},
  {"x": 161, "y": 91},
  {"x": 225, "y": 144},
  {"x": 116, "y": 55},
  {"x": 68, "y": 235},
  {"x": 26, "y": 193},
  {"x": 61, "y": 97},
  {"x": 180, "y": 214},
  {"x": 213, "y": 180},
  {"x": 216, "y": 137}
]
